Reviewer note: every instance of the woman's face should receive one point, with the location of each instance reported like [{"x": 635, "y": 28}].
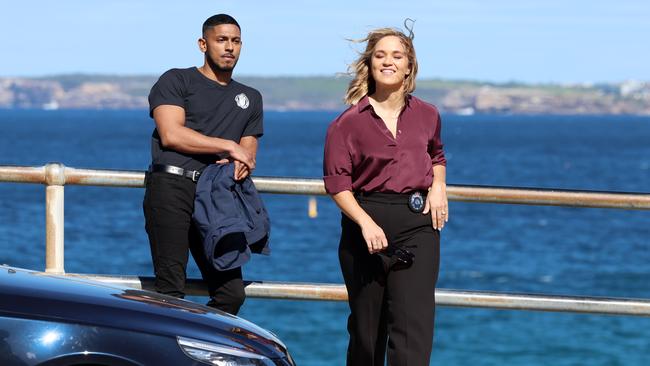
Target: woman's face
[{"x": 389, "y": 63}]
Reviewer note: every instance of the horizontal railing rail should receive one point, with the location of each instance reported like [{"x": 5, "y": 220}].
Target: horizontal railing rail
[
  {"x": 58, "y": 174},
  {"x": 444, "y": 297},
  {"x": 55, "y": 176}
]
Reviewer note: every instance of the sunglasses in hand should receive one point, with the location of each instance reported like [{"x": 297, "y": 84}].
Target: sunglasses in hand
[{"x": 400, "y": 257}]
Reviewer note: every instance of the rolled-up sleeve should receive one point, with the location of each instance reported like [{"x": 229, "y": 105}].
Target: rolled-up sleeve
[
  {"x": 436, "y": 147},
  {"x": 337, "y": 162}
]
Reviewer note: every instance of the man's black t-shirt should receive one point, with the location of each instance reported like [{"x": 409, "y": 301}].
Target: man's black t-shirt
[{"x": 228, "y": 112}]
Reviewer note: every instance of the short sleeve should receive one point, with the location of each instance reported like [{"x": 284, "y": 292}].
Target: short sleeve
[
  {"x": 337, "y": 162},
  {"x": 168, "y": 90},
  {"x": 436, "y": 147},
  {"x": 255, "y": 125}
]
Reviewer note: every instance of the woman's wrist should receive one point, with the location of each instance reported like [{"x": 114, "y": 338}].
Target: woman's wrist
[
  {"x": 364, "y": 221},
  {"x": 438, "y": 185}
]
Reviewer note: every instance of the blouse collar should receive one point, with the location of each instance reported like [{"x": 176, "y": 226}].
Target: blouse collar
[{"x": 364, "y": 103}]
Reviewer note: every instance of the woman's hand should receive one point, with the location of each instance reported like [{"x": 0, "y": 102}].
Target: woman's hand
[
  {"x": 373, "y": 235},
  {"x": 371, "y": 232},
  {"x": 438, "y": 205}
]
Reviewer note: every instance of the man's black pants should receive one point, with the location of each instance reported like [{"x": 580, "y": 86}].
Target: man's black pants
[
  {"x": 390, "y": 306},
  {"x": 168, "y": 206}
]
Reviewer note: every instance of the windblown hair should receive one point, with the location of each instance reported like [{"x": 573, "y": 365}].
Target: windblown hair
[
  {"x": 362, "y": 82},
  {"x": 218, "y": 20}
]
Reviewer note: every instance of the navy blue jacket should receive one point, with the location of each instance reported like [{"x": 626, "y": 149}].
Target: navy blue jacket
[{"x": 231, "y": 217}]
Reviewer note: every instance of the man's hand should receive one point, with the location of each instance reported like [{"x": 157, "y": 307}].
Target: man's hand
[
  {"x": 242, "y": 169},
  {"x": 244, "y": 156}
]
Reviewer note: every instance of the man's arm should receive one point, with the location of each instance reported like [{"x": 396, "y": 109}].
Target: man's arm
[
  {"x": 170, "y": 123},
  {"x": 249, "y": 143}
]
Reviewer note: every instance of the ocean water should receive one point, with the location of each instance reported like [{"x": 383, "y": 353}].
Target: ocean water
[{"x": 570, "y": 251}]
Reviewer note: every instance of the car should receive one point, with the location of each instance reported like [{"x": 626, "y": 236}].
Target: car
[{"x": 48, "y": 319}]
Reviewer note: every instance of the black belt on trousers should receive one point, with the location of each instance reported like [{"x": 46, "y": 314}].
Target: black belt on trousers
[
  {"x": 190, "y": 174},
  {"x": 414, "y": 200}
]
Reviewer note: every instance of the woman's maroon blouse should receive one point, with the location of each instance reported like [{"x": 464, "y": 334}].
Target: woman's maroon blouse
[{"x": 361, "y": 154}]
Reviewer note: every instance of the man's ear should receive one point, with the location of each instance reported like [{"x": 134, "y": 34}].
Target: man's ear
[{"x": 202, "y": 45}]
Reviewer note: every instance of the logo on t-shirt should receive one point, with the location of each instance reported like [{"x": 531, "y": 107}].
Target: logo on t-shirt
[{"x": 242, "y": 101}]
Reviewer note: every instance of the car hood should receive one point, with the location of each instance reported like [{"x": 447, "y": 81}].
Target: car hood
[{"x": 40, "y": 295}]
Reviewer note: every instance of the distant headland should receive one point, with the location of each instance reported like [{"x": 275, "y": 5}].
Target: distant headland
[{"x": 80, "y": 91}]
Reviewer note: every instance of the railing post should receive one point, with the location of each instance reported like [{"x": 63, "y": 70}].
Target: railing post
[{"x": 54, "y": 202}]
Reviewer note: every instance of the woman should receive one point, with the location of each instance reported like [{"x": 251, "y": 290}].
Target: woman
[{"x": 385, "y": 168}]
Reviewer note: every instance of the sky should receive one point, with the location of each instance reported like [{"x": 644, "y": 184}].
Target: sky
[{"x": 533, "y": 41}]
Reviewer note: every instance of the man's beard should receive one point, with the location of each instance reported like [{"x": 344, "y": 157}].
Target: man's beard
[
  {"x": 219, "y": 68},
  {"x": 224, "y": 68}
]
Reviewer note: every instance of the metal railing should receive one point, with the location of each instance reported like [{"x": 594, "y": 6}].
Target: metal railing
[{"x": 55, "y": 176}]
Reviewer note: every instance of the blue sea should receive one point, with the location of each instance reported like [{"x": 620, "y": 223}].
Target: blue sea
[{"x": 514, "y": 248}]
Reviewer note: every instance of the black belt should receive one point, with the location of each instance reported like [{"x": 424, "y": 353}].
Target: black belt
[
  {"x": 190, "y": 174},
  {"x": 415, "y": 200}
]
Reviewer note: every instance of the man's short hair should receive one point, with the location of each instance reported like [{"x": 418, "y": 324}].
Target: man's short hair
[{"x": 218, "y": 20}]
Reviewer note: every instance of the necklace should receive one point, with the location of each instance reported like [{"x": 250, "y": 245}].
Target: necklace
[{"x": 392, "y": 114}]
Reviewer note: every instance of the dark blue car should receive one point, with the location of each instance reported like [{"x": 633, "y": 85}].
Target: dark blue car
[{"x": 58, "y": 320}]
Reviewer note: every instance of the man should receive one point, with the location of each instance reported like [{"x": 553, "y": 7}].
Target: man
[{"x": 202, "y": 116}]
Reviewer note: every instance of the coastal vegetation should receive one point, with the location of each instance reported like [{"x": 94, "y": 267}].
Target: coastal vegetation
[{"x": 80, "y": 91}]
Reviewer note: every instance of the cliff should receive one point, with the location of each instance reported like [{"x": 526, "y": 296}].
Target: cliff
[{"x": 325, "y": 93}]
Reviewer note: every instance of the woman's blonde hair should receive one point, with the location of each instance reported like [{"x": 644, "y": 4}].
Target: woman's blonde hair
[{"x": 362, "y": 82}]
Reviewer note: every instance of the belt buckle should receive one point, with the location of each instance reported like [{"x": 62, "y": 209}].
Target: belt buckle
[
  {"x": 416, "y": 202},
  {"x": 195, "y": 175}
]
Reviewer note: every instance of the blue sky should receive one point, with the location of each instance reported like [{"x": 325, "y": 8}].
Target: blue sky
[{"x": 562, "y": 41}]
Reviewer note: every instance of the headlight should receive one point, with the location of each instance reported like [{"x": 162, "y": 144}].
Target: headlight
[{"x": 219, "y": 355}]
